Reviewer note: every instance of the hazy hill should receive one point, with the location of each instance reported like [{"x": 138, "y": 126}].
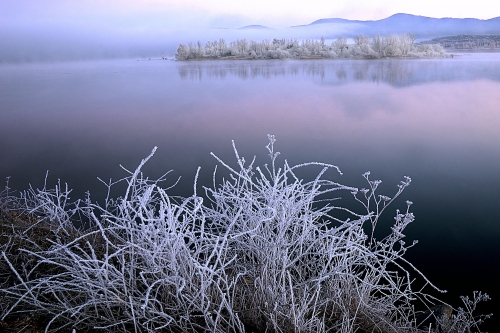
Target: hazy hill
[
  {"x": 422, "y": 26},
  {"x": 255, "y": 27}
]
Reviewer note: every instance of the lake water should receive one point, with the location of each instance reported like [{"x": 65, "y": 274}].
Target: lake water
[{"x": 435, "y": 120}]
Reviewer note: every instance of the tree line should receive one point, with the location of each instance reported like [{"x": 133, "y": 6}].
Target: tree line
[
  {"x": 364, "y": 47},
  {"x": 469, "y": 42}
]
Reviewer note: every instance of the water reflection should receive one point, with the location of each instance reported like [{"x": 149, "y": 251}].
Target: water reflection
[
  {"x": 434, "y": 120},
  {"x": 396, "y": 72}
]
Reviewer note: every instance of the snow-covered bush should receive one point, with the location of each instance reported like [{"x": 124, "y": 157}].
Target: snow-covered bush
[{"x": 261, "y": 251}]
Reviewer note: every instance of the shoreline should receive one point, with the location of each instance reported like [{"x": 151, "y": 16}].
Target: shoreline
[{"x": 447, "y": 55}]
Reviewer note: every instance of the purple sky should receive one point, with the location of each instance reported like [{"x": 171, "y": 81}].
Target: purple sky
[{"x": 178, "y": 14}]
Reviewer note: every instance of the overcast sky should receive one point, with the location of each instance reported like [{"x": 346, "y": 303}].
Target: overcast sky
[
  {"x": 172, "y": 14},
  {"x": 45, "y": 24}
]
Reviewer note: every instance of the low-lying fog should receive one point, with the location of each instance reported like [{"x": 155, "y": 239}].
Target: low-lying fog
[
  {"x": 59, "y": 43},
  {"x": 59, "y": 32}
]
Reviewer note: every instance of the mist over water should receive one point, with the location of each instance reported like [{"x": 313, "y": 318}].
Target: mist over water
[
  {"x": 395, "y": 72},
  {"x": 55, "y": 42},
  {"x": 433, "y": 120}
]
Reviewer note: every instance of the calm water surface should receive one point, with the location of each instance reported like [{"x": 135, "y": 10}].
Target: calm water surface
[{"x": 436, "y": 121}]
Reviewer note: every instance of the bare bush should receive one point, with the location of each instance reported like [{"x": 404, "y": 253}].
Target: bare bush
[{"x": 262, "y": 251}]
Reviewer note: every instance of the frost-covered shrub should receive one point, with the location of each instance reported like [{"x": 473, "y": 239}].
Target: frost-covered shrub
[
  {"x": 430, "y": 50},
  {"x": 147, "y": 263},
  {"x": 262, "y": 251}
]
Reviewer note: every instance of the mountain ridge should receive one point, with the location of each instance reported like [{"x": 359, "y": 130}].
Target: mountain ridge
[
  {"x": 255, "y": 27},
  {"x": 421, "y": 26}
]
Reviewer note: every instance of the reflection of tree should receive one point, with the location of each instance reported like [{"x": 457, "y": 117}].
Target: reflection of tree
[
  {"x": 341, "y": 73},
  {"x": 194, "y": 72},
  {"x": 315, "y": 69},
  {"x": 243, "y": 70},
  {"x": 361, "y": 73},
  {"x": 395, "y": 72}
]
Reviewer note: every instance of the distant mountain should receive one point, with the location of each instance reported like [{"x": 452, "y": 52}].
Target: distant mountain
[
  {"x": 421, "y": 26},
  {"x": 255, "y": 27}
]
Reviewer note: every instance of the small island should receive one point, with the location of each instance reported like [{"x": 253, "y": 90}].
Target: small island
[{"x": 392, "y": 46}]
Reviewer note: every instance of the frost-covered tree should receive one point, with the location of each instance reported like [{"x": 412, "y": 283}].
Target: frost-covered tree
[
  {"x": 407, "y": 43},
  {"x": 340, "y": 46},
  {"x": 182, "y": 52}
]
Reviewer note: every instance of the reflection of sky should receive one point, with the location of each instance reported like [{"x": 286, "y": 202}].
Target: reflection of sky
[
  {"x": 81, "y": 120},
  {"x": 108, "y": 107}
]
